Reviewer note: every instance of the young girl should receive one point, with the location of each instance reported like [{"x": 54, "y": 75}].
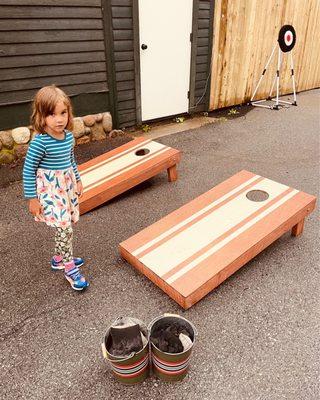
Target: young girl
[{"x": 51, "y": 179}]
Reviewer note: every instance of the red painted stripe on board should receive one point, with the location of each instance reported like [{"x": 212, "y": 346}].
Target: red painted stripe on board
[
  {"x": 132, "y": 165},
  {"x": 109, "y": 160},
  {"x": 225, "y": 235},
  {"x": 199, "y": 218},
  {"x": 215, "y": 265},
  {"x": 106, "y": 156},
  {"x": 186, "y": 211},
  {"x": 127, "y": 176}
]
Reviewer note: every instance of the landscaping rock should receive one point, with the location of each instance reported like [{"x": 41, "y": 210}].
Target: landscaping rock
[
  {"x": 78, "y": 127},
  {"x": 97, "y": 132},
  {"x": 6, "y": 139},
  {"x": 116, "y": 133},
  {"x": 87, "y": 130},
  {"x": 107, "y": 122},
  {"x": 21, "y": 135},
  {"x": 98, "y": 117},
  {"x": 89, "y": 120}
]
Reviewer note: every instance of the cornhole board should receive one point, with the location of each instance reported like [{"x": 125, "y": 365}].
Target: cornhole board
[
  {"x": 118, "y": 170},
  {"x": 195, "y": 248}
]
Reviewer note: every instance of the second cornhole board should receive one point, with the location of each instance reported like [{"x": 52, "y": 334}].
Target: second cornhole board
[
  {"x": 118, "y": 170},
  {"x": 194, "y": 249}
]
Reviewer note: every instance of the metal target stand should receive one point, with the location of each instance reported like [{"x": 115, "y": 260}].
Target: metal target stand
[{"x": 283, "y": 47}]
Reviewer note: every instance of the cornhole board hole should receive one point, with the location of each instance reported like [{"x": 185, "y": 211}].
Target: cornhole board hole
[
  {"x": 118, "y": 170},
  {"x": 194, "y": 249}
]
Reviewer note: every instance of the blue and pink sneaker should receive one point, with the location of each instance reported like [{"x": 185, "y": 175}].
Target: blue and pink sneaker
[
  {"x": 57, "y": 264},
  {"x": 74, "y": 277}
]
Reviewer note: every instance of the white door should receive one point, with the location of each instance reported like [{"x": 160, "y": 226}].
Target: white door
[{"x": 164, "y": 28}]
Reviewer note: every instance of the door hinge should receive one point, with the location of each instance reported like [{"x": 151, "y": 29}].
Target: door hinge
[
  {"x": 188, "y": 94},
  {"x": 191, "y": 37}
]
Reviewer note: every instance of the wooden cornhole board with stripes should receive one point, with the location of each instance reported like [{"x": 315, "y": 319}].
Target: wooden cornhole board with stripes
[
  {"x": 192, "y": 250},
  {"x": 118, "y": 170}
]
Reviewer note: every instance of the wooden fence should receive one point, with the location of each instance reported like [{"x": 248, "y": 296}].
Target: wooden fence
[{"x": 245, "y": 32}]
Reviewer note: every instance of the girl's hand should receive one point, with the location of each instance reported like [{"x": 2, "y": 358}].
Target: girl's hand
[
  {"x": 79, "y": 189},
  {"x": 35, "y": 207}
]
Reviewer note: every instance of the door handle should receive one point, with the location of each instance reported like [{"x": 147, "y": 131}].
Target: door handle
[{"x": 144, "y": 46}]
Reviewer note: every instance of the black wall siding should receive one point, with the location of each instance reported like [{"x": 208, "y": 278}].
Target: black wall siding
[
  {"x": 8, "y": 98},
  {"x": 52, "y": 24},
  {"x": 50, "y": 70},
  {"x": 61, "y": 80},
  {"x": 58, "y": 41},
  {"x": 19, "y": 49},
  {"x": 95, "y": 3},
  {"x": 46, "y": 59},
  {"x": 203, "y": 55},
  {"x": 123, "y": 43},
  {"x": 54, "y": 11}
]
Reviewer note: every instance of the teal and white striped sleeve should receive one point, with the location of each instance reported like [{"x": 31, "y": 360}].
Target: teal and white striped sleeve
[
  {"x": 35, "y": 153},
  {"x": 74, "y": 163}
]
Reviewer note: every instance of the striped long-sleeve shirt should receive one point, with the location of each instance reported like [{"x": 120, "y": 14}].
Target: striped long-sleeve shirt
[{"x": 48, "y": 153}]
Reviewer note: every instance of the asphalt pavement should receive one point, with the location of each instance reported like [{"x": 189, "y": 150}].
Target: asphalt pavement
[{"x": 258, "y": 331}]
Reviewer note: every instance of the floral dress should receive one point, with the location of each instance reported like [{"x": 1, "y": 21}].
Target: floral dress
[{"x": 57, "y": 193}]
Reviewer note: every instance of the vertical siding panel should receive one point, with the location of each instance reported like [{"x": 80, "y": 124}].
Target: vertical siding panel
[
  {"x": 202, "y": 69},
  {"x": 216, "y": 54},
  {"x": 122, "y": 22},
  {"x": 32, "y": 51},
  {"x": 249, "y": 36}
]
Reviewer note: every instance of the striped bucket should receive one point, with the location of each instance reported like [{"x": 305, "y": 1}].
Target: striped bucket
[
  {"x": 132, "y": 369},
  {"x": 171, "y": 366}
]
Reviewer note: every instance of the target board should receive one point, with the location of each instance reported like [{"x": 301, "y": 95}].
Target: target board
[
  {"x": 287, "y": 38},
  {"x": 116, "y": 171},
  {"x": 194, "y": 249}
]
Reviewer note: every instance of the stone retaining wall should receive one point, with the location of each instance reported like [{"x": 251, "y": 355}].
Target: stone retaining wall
[{"x": 14, "y": 143}]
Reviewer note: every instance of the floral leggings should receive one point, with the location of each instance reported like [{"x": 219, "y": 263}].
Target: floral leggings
[{"x": 63, "y": 239}]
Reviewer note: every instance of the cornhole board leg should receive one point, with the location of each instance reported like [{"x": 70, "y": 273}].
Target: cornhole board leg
[
  {"x": 172, "y": 173},
  {"x": 297, "y": 230}
]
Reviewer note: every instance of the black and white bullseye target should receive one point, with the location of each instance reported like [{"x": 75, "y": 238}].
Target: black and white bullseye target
[{"x": 287, "y": 38}]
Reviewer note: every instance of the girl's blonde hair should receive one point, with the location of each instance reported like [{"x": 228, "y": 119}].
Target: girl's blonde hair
[{"x": 45, "y": 102}]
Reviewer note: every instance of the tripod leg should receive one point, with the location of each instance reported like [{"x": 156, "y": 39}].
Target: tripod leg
[
  {"x": 293, "y": 82},
  {"x": 264, "y": 71},
  {"x": 276, "y": 106}
]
